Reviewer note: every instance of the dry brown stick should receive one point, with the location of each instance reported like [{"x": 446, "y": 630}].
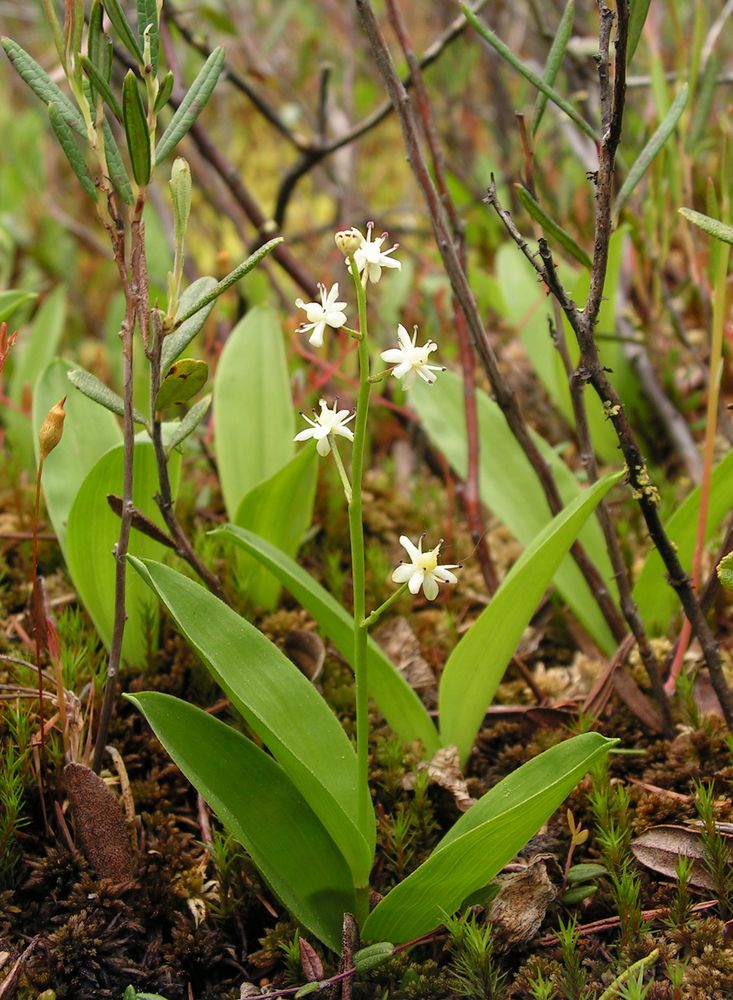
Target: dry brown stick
[
  {"x": 470, "y": 496},
  {"x": 503, "y": 392}
]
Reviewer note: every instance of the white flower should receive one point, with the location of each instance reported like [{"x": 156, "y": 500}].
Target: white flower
[
  {"x": 327, "y": 422},
  {"x": 370, "y": 258},
  {"x": 410, "y": 360},
  {"x": 423, "y": 569},
  {"x": 327, "y": 312}
]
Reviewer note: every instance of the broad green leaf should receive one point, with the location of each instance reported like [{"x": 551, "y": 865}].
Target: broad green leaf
[
  {"x": 279, "y": 510},
  {"x": 94, "y": 388},
  {"x": 136, "y": 129},
  {"x": 92, "y": 533},
  {"x": 653, "y": 147},
  {"x": 13, "y": 299},
  {"x": 553, "y": 230},
  {"x": 231, "y": 279},
  {"x": 182, "y": 381},
  {"x": 261, "y": 807},
  {"x": 476, "y": 666},
  {"x": 637, "y": 17},
  {"x": 177, "y": 342},
  {"x": 713, "y": 227},
  {"x": 509, "y": 487},
  {"x": 279, "y": 704},
  {"x": 657, "y": 601},
  {"x": 483, "y": 840},
  {"x": 89, "y": 432},
  {"x": 42, "y": 85},
  {"x": 71, "y": 151},
  {"x": 399, "y": 704},
  {"x": 554, "y": 61},
  {"x": 189, "y": 423},
  {"x": 123, "y": 29},
  {"x": 192, "y": 104},
  {"x": 254, "y": 425}
]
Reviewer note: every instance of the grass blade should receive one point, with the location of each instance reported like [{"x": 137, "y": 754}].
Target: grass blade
[
  {"x": 713, "y": 227},
  {"x": 637, "y": 17}
]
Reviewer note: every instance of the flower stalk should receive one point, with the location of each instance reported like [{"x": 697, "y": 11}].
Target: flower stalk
[{"x": 374, "y": 617}]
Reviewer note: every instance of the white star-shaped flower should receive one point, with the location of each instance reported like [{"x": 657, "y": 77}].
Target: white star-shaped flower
[
  {"x": 327, "y": 422},
  {"x": 327, "y": 312},
  {"x": 370, "y": 258},
  {"x": 423, "y": 569},
  {"x": 410, "y": 360}
]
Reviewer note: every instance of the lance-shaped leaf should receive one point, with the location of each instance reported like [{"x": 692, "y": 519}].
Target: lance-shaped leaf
[
  {"x": 399, "y": 704},
  {"x": 232, "y": 278},
  {"x": 278, "y": 703},
  {"x": 136, "y": 129},
  {"x": 42, "y": 85},
  {"x": 95, "y": 389},
  {"x": 476, "y": 666},
  {"x": 117, "y": 171},
  {"x": 261, "y": 807},
  {"x": 554, "y": 61},
  {"x": 189, "y": 423},
  {"x": 164, "y": 93},
  {"x": 182, "y": 381},
  {"x": 652, "y": 148},
  {"x": 553, "y": 230},
  {"x": 95, "y": 38},
  {"x": 147, "y": 20},
  {"x": 713, "y": 227},
  {"x": 100, "y": 84},
  {"x": 192, "y": 104},
  {"x": 483, "y": 840},
  {"x": 177, "y": 342},
  {"x": 71, "y": 150},
  {"x": 637, "y": 17},
  {"x": 12, "y": 299},
  {"x": 123, "y": 29}
]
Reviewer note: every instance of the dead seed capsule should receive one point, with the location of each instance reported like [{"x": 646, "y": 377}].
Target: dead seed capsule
[{"x": 52, "y": 429}]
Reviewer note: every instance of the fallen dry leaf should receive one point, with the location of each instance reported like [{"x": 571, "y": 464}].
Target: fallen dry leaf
[
  {"x": 400, "y": 644},
  {"x": 660, "y": 847},
  {"x": 518, "y": 909},
  {"x": 100, "y": 825},
  {"x": 445, "y": 770},
  {"x": 306, "y": 650}
]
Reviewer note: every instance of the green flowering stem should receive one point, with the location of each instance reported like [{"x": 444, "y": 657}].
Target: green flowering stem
[
  {"x": 340, "y": 466},
  {"x": 377, "y": 614},
  {"x": 356, "y": 532}
]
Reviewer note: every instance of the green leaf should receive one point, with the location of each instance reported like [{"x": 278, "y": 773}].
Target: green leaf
[
  {"x": 182, "y": 381},
  {"x": 278, "y": 703},
  {"x": 725, "y": 571},
  {"x": 88, "y": 433},
  {"x": 713, "y": 227},
  {"x": 585, "y": 872},
  {"x": 279, "y": 510},
  {"x": 307, "y": 988},
  {"x": 509, "y": 486},
  {"x": 373, "y": 955},
  {"x": 653, "y": 147},
  {"x": 117, "y": 172},
  {"x": 637, "y": 17},
  {"x": 147, "y": 17},
  {"x": 231, "y": 279},
  {"x": 102, "y": 86},
  {"x": 399, "y": 704},
  {"x": 72, "y": 152},
  {"x": 95, "y": 37},
  {"x": 657, "y": 601},
  {"x": 483, "y": 840},
  {"x": 529, "y": 74},
  {"x": 254, "y": 424},
  {"x": 95, "y": 389},
  {"x": 13, "y": 299},
  {"x": 192, "y": 104},
  {"x": 177, "y": 342},
  {"x": 552, "y": 229},
  {"x": 93, "y": 530},
  {"x": 476, "y": 666},
  {"x": 577, "y": 894},
  {"x": 189, "y": 423},
  {"x": 164, "y": 93},
  {"x": 136, "y": 129},
  {"x": 42, "y": 85},
  {"x": 261, "y": 807},
  {"x": 554, "y": 61},
  {"x": 123, "y": 29}
]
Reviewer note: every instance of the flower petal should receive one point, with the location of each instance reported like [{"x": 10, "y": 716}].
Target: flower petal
[
  {"x": 430, "y": 587},
  {"x": 416, "y": 581},
  {"x": 412, "y": 550},
  {"x": 324, "y": 446},
  {"x": 443, "y": 574},
  {"x": 403, "y": 573}
]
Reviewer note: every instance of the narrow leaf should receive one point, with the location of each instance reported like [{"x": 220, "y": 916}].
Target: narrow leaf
[
  {"x": 483, "y": 840},
  {"x": 177, "y": 342},
  {"x": 713, "y": 227},
  {"x": 529, "y": 74},
  {"x": 554, "y": 61},
  {"x": 189, "y": 423},
  {"x": 99, "y": 82},
  {"x": 278, "y": 703},
  {"x": 553, "y": 230},
  {"x": 12, "y": 299},
  {"x": 42, "y": 85},
  {"x": 373, "y": 955},
  {"x": 399, "y": 704},
  {"x": 637, "y": 17},
  {"x": 653, "y": 147},
  {"x": 95, "y": 389},
  {"x": 94, "y": 42},
  {"x": 147, "y": 18},
  {"x": 232, "y": 278},
  {"x": 123, "y": 28},
  {"x": 136, "y": 129},
  {"x": 71, "y": 150},
  {"x": 261, "y": 807},
  {"x": 192, "y": 104},
  {"x": 310, "y": 961},
  {"x": 117, "y": 171},
  {"x": 164, "y": 93},
  {"x": 476, "y": 666}
]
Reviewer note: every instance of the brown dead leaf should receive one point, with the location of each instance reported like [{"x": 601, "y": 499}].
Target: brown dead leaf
[
  {"x": 445, "y": 770},
  {"x": 306, "y": 650},
  {"x": 519, "y": 908},
  {"x": 660, "y": 847},
  {"x": 400, "y": 644},
  {"x": 100, "y": 825},
  {"x": 310, "y": 961}
]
